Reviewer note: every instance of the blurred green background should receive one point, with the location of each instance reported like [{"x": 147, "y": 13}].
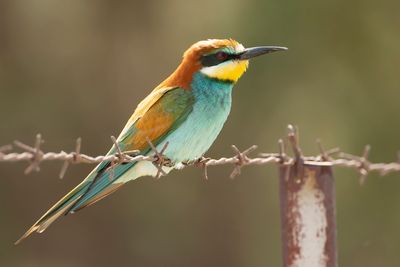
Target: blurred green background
[{"x": 79, "y": 68}]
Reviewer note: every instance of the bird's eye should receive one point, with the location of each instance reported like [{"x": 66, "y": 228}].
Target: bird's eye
[{"x": 221, "y": 56}]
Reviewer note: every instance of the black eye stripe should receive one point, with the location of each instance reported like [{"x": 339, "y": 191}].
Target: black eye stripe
[{"x": 212, "y": 60}]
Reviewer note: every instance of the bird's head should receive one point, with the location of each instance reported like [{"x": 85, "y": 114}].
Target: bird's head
[{"x": 221, "y": 59}]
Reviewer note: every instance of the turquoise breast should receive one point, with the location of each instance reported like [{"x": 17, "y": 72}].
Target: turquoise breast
[{"x": 213, "y": 99}]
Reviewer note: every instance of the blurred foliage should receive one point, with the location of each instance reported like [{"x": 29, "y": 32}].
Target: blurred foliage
[{"x": 79, "y": 68}]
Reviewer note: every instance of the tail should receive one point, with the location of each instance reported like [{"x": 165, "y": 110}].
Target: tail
[
  {"x": 99, "y": 184},
  {"x": 56, "y": 211}
]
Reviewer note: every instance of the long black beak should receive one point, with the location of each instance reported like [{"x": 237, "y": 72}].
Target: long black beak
[{"x": 260, "y": 50}]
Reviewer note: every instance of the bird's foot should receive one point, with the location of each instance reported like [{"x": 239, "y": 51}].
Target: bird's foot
[
  {"x": 202, "y": 163},
  {"x": 159, "y": 162}
]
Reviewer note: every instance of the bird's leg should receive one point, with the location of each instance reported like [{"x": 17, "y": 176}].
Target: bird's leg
[{"x": 200, "y": 162}]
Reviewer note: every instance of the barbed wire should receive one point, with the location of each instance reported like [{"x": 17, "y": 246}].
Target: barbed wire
[{"x": 35, "y": 156}]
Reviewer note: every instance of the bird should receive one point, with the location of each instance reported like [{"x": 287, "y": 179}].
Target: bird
[{"x": 186, "y": 112}]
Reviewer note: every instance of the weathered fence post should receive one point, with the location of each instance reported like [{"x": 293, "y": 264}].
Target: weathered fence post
[{"x": 307, "y": 198}]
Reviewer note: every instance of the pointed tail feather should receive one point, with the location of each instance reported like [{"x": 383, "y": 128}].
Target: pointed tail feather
[
  {"x": 95, "y": 187},
  {"x": 56, "y": 211}
]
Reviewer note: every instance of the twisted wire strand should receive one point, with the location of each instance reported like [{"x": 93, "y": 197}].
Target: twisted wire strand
[{"x": 35, "y": 156}]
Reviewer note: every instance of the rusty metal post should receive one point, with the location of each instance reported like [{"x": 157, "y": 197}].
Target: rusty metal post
[
  {"x": 308, "y": 214},
  {"x": 307, "y": 196}
]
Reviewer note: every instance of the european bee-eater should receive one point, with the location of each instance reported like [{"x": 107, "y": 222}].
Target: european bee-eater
[{"x": 187, "y": 110}]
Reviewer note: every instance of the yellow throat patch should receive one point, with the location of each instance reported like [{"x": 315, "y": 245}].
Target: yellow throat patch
[{"x": 230, "y": 70}]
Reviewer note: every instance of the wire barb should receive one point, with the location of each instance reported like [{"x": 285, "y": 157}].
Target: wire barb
[
  {"x": 364, "y": 164},
  {"x": 120, "y": 157},
  {"x": 159, "y": 159},
  {"x": 324, "y": 156},
  {"x": 242, "y": 160},
  {"x": 293, "y": 136},
  {"x": 74, "y": 159},
  {"x": 284, "y": 160},
  {"x": 36, "y": 153}
]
